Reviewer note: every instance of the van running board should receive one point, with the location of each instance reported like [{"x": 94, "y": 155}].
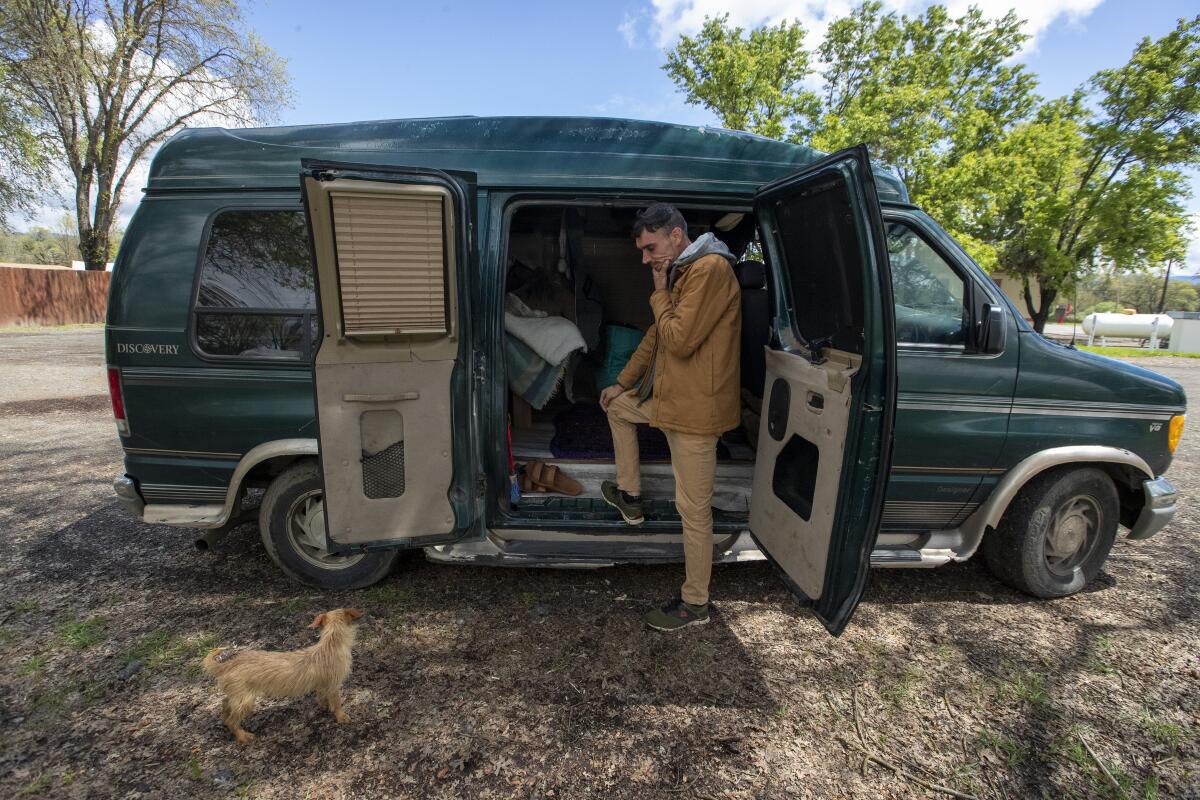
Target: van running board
[
  {"x": 590, "y": 512},
  {"x": 902, "y": 557}
]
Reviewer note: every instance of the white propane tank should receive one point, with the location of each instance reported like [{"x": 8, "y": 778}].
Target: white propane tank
[{"x": 1128, "y": 326}]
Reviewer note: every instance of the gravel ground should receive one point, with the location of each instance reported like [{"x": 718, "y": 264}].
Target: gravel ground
[{"x": 475, "y": 682}]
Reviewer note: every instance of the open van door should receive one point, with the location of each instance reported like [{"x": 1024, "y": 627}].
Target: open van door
[
  {"x": 392, "y": 249},
  {"x": 830, "y": 394}
]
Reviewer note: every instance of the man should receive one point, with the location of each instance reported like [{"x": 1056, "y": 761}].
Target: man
[{"x": 685, "y": 379}]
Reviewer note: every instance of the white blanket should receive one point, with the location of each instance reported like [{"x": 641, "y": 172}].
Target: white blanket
[{"x": 552, "y": 338}]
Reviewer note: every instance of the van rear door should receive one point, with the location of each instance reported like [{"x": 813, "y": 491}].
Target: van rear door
[
  {"x": 824, "y": 447},
  {"x": 392, "y": 249}
]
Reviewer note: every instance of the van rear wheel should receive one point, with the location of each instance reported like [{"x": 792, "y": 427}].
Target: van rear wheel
[
  {"x": 291, "y": 523},
  {"x": 1056, "y": 534}
]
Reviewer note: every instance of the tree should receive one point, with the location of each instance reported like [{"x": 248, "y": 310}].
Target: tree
[
  {"x": 924, "y": 93},
  {"x": 753, "y": 82},
  {"x": 1096, "y": 179},
  {"x": 22, "y": 155},
  {"x": 1046, "y": 191},
  {"x": 110, "y": 81}
]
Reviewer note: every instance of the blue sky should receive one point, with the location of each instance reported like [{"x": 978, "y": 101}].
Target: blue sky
[{"x": 356, "y": 59}]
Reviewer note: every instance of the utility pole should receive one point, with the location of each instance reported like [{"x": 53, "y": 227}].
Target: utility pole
[{"x": 1162, "y": 300}]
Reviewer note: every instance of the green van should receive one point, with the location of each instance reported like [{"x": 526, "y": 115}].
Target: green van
[{"x": 317, "y": 314}]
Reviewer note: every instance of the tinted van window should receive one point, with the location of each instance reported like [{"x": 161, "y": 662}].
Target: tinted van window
[
  {"x": 257, "y": 295},
  {"x": 930, "y": 295}
]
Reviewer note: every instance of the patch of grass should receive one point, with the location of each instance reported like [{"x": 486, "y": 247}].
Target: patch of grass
[
  {"x": 151, "y": 648},
  {"x": 1101, "y": 645},
  {"x": 781, "y": 712},
  {"x": 1133, "y": 352},
  {"x": 388, "y": 594},
  {"x": 1071, "y": 748},
  {"x": 34, "y": 665},
  {"x": 528, "y": 599},
  {"x": 194, "y": 768},
  {"x": 67, "y": 778},
  {"x": 24, "y": 604},
  {"x": 1167, "y": 734},
  {"x": 1026, "y": 686},
  {"x": 7, "y": 637},
  {"x": 36, "y": 786},
  {"x": 294, "y": 605},
  {"x": 944, "y": 652},
  {"x": 1012, "y": 752},
  {"x": 903, "y": 686},
  {"x": 84, "y": 633}
]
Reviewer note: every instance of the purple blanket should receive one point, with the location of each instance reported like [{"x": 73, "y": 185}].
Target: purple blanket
[{"x": 582, "y": 432}]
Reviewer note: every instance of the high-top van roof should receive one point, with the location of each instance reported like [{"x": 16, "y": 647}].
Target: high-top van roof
[{"x": 563, "y": 152}]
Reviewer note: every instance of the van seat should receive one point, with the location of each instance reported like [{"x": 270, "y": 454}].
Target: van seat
[{"x": 756, "y": 320}]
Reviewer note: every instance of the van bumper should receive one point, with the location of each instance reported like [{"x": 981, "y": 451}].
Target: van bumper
[
  {"x": 1157, "y": 511},
  {"x": 127, "y": 492}
]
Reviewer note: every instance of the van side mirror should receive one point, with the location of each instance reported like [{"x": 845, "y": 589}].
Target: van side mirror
[{"x": 992, "y": 329}]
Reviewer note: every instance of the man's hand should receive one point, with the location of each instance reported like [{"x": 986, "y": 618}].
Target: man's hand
[
  {"x": 660, "y": 273},
  {"x": 610, "y": 394}
]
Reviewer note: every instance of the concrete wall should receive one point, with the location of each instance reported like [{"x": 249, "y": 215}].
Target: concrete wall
[{"x": 33, "y": 296}]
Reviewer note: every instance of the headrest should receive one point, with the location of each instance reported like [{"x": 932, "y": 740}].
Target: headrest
[{"x": 751, "y": 274}]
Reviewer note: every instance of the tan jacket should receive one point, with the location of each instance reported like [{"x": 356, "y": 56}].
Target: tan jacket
[{"x": 697, "y": 330}]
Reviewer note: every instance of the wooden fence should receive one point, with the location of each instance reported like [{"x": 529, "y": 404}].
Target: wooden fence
[{"x": 30, "y": 296}]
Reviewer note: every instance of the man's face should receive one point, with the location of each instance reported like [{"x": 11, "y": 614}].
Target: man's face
[{"x": 661, "y": 247}]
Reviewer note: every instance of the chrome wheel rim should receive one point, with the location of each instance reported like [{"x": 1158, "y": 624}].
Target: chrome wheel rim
[
  {"x": 1072, "y": 536},
  {"x": 306, "y": 533}
]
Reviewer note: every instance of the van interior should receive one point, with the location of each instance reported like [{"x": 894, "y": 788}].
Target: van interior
[{"x": 578, "y": 264}]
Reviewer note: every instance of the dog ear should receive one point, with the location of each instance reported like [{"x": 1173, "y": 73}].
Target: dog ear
[
  {"x": 318, "y": 621},
  {"x": 352, "y": 613}
]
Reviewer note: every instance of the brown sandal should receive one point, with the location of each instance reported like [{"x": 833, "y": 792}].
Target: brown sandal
[{"x": 542, "y": 477}]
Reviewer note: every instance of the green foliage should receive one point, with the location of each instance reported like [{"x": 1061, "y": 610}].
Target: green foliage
[
  {"x": 753, "y": 82},
  {"x": 1049, "y": 192},
  {"x": 39, "y": 246},
  {"x": 23, "y": 155},
  {"x": 115, "y": 80}
]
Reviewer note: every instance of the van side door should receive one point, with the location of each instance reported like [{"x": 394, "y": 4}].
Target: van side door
[
  {"x": 393, "y": 249},
  {"x": 829, "y": 398}
]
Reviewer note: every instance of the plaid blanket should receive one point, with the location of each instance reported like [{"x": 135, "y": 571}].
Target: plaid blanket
[{"x": 528, "y": 373}]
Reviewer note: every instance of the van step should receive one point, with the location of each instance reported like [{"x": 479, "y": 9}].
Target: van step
[
  {"x": 589, "y": 512},
  {"x": 900, "y": 555}
]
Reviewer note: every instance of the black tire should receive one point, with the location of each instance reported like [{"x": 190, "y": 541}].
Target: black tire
[
  {"x": 1032, "y": 548},
  {"x": 287, "y": 496}
]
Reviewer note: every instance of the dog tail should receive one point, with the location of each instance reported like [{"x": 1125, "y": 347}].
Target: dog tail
[{"x": 216, "y": 661}]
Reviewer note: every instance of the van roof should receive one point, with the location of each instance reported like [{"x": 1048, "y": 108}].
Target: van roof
[{"x": 560, "y": 152}]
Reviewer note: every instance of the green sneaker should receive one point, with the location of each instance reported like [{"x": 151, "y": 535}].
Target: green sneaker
[
  {"x": 631, "y": 509},
  {"x": 677, "y": 615}
]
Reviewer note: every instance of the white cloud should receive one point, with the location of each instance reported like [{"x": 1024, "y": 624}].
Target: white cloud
[
  {"x": 669, "y": 18},
  {"x": 629, "y": 28}
]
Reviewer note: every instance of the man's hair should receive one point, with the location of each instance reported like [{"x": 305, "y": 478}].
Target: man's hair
[{"x": 658, "y": 217}]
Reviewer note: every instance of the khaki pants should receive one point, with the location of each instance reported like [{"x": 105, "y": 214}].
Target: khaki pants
[{"x": 694, "y": 462}]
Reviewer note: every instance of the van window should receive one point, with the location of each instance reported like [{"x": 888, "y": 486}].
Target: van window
[
  {"x": 257, "y": 296},
  {"x": 820, "y": 251},
  {"x": 930, "y": 295}
]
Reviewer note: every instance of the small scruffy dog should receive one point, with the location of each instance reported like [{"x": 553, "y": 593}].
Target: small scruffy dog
[{"x": 245, "y": 675}]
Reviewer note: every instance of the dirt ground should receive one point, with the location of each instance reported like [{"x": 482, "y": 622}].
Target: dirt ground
[{"x": 476, "y": 682}]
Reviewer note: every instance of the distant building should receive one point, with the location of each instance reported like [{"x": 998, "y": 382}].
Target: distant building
[{"x": 1014, "y": 289}]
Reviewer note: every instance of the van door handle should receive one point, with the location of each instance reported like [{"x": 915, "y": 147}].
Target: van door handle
[
  {"x": 380, "y": 398},
  {"x": 816, "y": 402}
]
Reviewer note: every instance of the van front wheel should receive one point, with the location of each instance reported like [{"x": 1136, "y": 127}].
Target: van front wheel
[
  {"x": 291, "y": 523},
  {"x": 1055, "y": 536}
]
